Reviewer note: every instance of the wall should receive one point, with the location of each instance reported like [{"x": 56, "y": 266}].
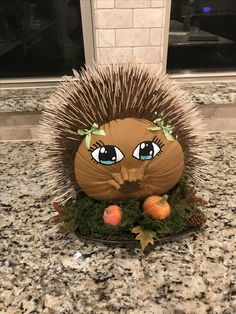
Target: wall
[{"x": 131, "y": 30}]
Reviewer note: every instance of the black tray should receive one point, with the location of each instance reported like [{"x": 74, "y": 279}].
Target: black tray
[{"x": 135, "y": 243}]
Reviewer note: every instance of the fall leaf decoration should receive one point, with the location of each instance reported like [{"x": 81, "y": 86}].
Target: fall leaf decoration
[
  {"x": 58, "y": 207},
  {"x": 200, "y": 201},
  {"x": 185, "y": 195},
  {"x": 144, "y": 236},
  {"x": 64, "y": 217}
]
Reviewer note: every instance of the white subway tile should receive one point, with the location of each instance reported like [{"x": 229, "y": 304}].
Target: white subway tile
[
  {"x": 147, "y": 54},
  {"x": 158, "y": 3},
  {"x": 132, "y": 3},
  {"x": 95, "y": 18},
  {"x": 106, "y": 37},
  {"x": 156, "y": 67},
  {"x": 163, "y": 34},
  {"x": 164, "y": 17},
  {"x": 114, "y": 18},
  {"x": 162, "y": 52},
  {"x": 102, "y": 4},
  {"x": 132, "y": 37},
  {"x": 96, "y": 38},
  {"x": 147, "y": 17},
  {"x": 155, "y": 36},
  {"x": 94, "y": 4},
  {"x": 113, "y": 55}
]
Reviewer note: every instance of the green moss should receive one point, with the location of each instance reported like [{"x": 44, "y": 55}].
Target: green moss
[{"x": 86, "y": 215}]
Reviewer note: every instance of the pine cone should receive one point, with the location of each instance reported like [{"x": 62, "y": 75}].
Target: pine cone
[{"x": 196, "y": 219}]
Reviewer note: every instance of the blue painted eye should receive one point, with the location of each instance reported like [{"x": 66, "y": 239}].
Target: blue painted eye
[
  {"x": 107, "y": 155},
  {"x": 146, "y": 150}
]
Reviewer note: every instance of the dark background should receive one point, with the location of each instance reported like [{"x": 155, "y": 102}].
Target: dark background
[
  {"x": 220, "y": 19},
  {"x": 40, "y": 37}
]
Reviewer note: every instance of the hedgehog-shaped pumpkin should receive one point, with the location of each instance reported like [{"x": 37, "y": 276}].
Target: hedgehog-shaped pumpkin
[{"x": 119, "y": 132}]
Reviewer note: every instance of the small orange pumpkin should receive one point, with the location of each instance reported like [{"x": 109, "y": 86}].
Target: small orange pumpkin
[
  {"x": 156, "y": 207},
  {"x": 113, "y": 215}
]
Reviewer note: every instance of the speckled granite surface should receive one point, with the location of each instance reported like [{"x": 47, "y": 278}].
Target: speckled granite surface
[
  {"x": 38, "y": 273},
  {"x": 16, "y": 100},
  {"x": 211, "y": 92}
]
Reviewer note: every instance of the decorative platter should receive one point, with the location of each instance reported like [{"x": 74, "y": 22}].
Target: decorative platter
[{"x": 134, "y": 243}]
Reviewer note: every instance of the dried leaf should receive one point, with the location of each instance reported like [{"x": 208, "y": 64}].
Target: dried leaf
[
  {"x": 200, "y": 201},
  {"x": 58, "y": 207},
  {"x": 144, "y": 236},
  {"x": 192, "y": 191},
  {"x": 55, "y": 219},
  {"x": 68, "y": 227}
]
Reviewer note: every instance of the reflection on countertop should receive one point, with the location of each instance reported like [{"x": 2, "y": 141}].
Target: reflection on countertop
[{"x": 194, "y": 37}]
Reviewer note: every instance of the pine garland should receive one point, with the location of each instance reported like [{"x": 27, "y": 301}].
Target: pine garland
[{"x": 86, "y": 215}]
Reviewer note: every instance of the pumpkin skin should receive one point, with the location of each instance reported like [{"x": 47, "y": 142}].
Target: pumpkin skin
[
  {"x": 113, "y": 215},
  {"x": 131, "y": 177},
  {"x": 156, "y": 207}
]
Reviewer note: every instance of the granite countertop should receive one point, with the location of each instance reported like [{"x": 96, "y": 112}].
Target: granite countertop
[
  {"x": 38, "y": 273},
  {"x": 17, "y": 100},
  {"x": 34, "y": 99}
]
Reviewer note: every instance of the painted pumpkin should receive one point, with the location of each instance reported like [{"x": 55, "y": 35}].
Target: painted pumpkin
[
  {"x": 129, "y": 162},
  {"x": 156, "y": 207}
]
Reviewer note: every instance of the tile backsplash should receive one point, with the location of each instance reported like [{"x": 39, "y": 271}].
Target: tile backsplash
[{"x": 130, "y": 30}]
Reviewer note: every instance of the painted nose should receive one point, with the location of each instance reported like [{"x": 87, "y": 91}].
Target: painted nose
[
  {"x": 127, "y": 180},
  {"x": 128, "y": 187}
]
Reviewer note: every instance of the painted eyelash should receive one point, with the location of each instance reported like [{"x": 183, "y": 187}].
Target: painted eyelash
[
  {"x": 96, "y": 145},
  {"x": 158, "y": 142},
  {"x": 95, "y": 161}
]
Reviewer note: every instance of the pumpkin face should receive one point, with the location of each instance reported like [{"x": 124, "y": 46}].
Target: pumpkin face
[{"x": 129, "y": 162}]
